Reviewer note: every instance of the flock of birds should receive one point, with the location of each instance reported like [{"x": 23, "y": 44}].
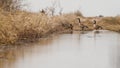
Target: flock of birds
[{"x": 83, "y": 27}]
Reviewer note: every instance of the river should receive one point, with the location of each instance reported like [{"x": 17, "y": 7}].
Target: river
[{"x": 77, "y": 50}]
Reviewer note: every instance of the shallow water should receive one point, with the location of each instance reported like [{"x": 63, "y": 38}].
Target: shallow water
[{"x": 85, "y": 50}]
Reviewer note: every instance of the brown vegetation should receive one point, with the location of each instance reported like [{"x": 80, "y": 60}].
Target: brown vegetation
[
  {"x": 25, "y": 25},
  {"x": 21, "y": 25}
]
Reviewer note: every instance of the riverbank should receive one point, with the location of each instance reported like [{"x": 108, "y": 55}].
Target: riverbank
[
  {"x": 27, "y": 26},
  {"x": 23, "y": 25},
  {"x": 62, "y": 46}
]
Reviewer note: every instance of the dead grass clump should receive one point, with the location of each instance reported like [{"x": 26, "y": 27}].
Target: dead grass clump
[
  {"x": 110, "y": 23},
  {"x": 23, "y": 25},
  {"x": 7, "y": 32},
  {"x": 111, "y": 20},
  {"x": 20, "y": 25}
]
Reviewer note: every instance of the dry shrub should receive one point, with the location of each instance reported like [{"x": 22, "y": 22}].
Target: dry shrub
[
  {"x": 10, "y": 5},
  {"x": 111, "y": 23},
  {"x": 23, "y": 25}
]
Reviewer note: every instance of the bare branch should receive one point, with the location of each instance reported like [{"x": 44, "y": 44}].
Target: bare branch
[{"x": 10, "y": 5}]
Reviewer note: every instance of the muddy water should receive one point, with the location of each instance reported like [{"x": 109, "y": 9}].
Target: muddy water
[{"x": 85, "y": 50}]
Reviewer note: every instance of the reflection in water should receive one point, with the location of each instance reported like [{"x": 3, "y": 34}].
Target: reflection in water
[{"x": 86, "y": 50}]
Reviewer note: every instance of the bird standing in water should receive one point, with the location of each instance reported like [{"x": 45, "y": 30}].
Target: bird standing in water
[
  {"x": 82, "y": 26},
  {"x": 95, "y": 26}
]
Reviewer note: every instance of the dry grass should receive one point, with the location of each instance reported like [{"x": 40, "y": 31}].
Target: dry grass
[
  {"x": 23, "y": 25},
  {"x": 111, "y": 23},
  {"x": 108, "y": 23}
]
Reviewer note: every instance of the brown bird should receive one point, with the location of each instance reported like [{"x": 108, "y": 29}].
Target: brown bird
[
  {"x": 82, "y": 26},
  {"x": 95, "y": 26}
]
